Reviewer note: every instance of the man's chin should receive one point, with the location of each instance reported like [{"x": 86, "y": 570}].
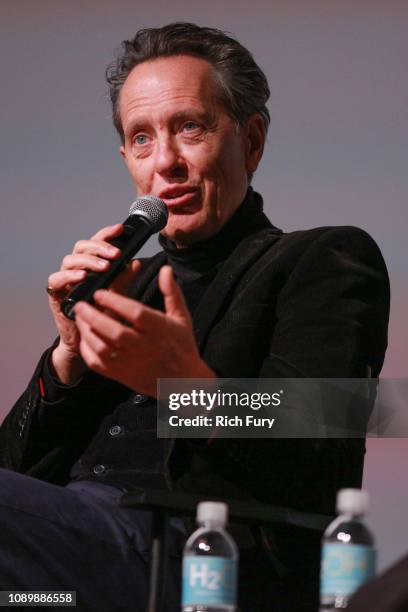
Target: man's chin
[{"x": 185, "y": 235}]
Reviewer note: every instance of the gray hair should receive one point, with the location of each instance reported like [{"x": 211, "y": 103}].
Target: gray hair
[{"x": 244, "y": 88}]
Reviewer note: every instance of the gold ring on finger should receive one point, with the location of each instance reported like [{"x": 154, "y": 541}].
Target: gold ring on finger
[{"x": 51, "y": 291}]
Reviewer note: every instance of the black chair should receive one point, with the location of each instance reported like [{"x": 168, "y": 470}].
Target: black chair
[{"x": 164, "y": 504}]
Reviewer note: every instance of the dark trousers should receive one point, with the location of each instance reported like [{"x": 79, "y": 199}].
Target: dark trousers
[{"x": 78, "y": 538}]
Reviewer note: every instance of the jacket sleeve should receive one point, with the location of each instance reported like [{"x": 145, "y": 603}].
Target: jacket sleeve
[{"x": 44, "y": 438}]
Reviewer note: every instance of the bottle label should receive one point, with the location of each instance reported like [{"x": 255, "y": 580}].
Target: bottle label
[
  {"x": 345, "y": 567},
  {"x": 209, "y": 581}
]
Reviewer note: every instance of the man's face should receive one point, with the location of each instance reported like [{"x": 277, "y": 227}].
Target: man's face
[{"x": 182, "y": 146}]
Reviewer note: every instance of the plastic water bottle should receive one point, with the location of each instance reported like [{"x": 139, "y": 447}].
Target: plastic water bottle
[
  {"x": 348, "y": 553},
  {"x": 210, "y": 563}
]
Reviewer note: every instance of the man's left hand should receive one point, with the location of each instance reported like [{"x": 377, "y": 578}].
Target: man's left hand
[{"x": 154, "y": 345}]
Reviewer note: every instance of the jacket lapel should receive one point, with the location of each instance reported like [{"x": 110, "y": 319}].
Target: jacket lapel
[
  {"x": 249, "y": 250},
  {"x": 145, "y": 283}
]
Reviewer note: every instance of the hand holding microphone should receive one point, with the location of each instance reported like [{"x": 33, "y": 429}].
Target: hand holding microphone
[
  {"x": 147, "y": 216},
  {"x": 93, "y": 264}
]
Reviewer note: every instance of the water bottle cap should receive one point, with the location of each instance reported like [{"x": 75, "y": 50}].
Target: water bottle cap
[
  {"x": 353, "y": 500},
  {"x": 217, "y": 512}
]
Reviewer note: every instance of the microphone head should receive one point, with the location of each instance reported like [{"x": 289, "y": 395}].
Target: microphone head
[{"x": 152, "y": 209}]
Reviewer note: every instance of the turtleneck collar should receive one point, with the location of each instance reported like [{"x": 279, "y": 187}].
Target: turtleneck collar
[{"x": 204, "y": 258}]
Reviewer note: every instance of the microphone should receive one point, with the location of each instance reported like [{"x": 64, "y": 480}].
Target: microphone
[{"x": 147, "y": 216}]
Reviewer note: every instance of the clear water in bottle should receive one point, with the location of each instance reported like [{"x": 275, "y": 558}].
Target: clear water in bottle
[
  {"x": 210, "y": 563},
  {"x": 348, "y": 553}
]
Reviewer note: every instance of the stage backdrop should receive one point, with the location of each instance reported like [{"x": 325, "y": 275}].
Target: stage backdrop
[{"x": 336, "y": 154}]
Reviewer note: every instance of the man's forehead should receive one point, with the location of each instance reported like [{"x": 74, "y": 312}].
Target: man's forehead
[{"x": 179, "y": 78}]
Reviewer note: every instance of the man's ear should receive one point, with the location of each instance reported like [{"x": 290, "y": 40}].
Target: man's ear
[
  {"x": 122, "y": 151},
  {"x": 255, "y": 141}
]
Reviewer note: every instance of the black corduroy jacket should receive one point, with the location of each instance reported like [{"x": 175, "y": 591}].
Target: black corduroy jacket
[{"x": 311, "y": 303}]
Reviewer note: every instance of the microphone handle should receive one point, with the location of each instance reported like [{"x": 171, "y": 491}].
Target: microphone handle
[{"x": 129, "y": 242}]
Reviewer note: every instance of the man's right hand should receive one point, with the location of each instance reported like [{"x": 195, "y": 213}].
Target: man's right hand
[{"x": 88, "y": 255}]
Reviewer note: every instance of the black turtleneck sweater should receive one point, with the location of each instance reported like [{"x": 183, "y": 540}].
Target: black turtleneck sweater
[
  {"x": 196, "y": 266},
  {"x": 125, "y": 449}
]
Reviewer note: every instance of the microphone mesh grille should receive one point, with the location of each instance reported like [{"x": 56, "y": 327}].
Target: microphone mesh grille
[{"x": 151, "y": 208}]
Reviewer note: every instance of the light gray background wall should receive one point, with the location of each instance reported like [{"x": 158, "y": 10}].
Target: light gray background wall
[{"x": 337, "y": 154}]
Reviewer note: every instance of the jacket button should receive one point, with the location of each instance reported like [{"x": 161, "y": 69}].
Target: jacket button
[
  {"x": 99, "y": 469},
  {"x": 138, "y": 398},
  {"x": 115, "y": 430}
]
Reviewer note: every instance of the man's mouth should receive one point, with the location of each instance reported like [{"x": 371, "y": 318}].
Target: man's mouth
[{"x": 179, "y": 197}]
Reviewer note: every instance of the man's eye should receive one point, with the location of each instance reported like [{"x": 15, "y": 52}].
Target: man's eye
[
  {"x": 140, "y": 139},
  {"x": 190, "y": 126}
]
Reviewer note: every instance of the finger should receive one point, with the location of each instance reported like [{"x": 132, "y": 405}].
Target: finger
[
  {"x": 108, "y": 329},
  {"x": 106, "y": 233},
  {"x": 96, "y": 247},
  {"x": 60, "y": 280},
  {"x": 142, "y": 317},
  {"x": 91, "y": 359},
  {"x": 84, "y": 262},
  {"x": 125, "y": 279},
  {"x": 93, "y": 341},
  {"x": 174, "y": 302}
]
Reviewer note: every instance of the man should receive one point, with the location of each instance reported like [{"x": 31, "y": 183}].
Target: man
[{"x": 239, "y": 299}]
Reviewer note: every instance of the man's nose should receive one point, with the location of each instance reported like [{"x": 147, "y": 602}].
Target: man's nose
[{"x": 169, "y": 160}]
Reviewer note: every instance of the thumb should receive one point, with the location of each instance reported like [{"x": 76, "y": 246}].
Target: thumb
[{"x": 174, "y": 302}]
